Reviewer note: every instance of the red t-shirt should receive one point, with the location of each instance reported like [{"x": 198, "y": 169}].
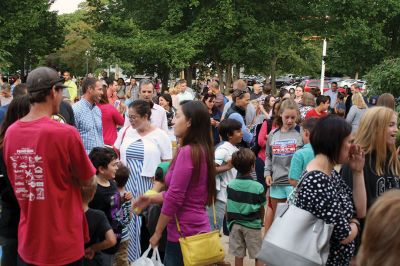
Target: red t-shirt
[
  {"x": 44, "y": 160},
  {"x": 110, "y": 119},
  {"x": 313, "y": 113}
]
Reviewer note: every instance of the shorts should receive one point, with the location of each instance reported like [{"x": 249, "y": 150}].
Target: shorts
[
  {"x": 280, "y": 192},
  {"x": 242, "y": 238}
]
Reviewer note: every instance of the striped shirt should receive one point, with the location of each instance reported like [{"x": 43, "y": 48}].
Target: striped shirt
[
  {"x": 245, "y": 198},
  {"x": 88, "y": 123}
]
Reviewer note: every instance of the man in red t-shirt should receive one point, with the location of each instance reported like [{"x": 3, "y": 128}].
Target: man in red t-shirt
[
  {"x": 323, "y": 103},
  {"x": 47, "y": 163}
]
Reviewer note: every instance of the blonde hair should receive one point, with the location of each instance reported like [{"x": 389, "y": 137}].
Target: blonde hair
[
  {"x": 88, "y": 191},
  {"x": 358, "y": 101},
  {"x": 381, "y": 237},
  {"x": 372, "y": 137},
  {"x": 286, "y": 104},
  {"x": 173, "y": 90}
]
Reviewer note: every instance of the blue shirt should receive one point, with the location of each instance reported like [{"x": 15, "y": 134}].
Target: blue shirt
[
  {"x": 3, "y": 111},
  {"x": 88, "y": 122},
  {"x": 300, "y": 160},
  {"x": 247, "y": 136}
]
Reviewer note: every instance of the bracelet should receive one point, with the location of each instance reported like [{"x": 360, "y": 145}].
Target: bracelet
[{"x": 357, "y": 223}]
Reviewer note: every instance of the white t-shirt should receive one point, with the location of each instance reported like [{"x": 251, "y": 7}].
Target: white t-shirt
[
  {"x": 158, "y": 118},
  {"x": 157, "y": 147},
  {"x": 223, "y": 154}
]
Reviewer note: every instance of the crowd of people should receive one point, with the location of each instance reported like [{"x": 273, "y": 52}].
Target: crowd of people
[{"x": 93, "y": 174}]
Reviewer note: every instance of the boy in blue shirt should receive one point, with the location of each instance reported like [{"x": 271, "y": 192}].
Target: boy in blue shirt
[{"x": 304, "y": 155}]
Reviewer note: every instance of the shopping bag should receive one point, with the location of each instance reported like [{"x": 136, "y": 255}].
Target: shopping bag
[
  {"x": 144, "y": 260},
  {"x": 155, "y": 258}
]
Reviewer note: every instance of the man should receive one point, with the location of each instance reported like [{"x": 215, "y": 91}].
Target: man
[
  {"x": 219, "y": 97},
  {"x": 158, "y": 115},
  {"x": 46, "y": 163},
  {"x": 250, "y": 110},
  {"x": 257, "y": 92},
  {"x": 184, "y": 94},
  {"x": 333, "y": 93},
  {"x": 112, "y": 87},
  {"x": 88, "y": 115},
  {"x": 132, "y": 90},
  {"x": 70, "y": 85},
  {"x": 19, "y": 90}
]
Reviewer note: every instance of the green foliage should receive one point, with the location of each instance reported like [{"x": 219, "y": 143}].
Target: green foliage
[
  {"x": 385, "y": 77},
  {"x": 29, "y": 31}
]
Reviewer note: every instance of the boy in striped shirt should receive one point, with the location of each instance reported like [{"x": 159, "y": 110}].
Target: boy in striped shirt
[{"x": 245, "y": 198}]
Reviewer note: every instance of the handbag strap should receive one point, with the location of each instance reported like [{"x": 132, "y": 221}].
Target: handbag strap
[
  {"x": 295, "y": 192},
  {"x": 214, "y": 217}
]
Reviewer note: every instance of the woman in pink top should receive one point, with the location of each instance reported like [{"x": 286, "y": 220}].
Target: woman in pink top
[
  {"x": 190, "y": 182},
  {"x": 110, "y": 118}
]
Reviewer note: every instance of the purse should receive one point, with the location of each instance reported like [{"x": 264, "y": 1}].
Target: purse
[
  {"x": 296, "y": 238},
  {"x": 201, "y": 249}
]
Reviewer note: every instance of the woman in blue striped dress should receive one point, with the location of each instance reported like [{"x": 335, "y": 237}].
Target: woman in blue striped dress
[{"x": 142, "y": 147}]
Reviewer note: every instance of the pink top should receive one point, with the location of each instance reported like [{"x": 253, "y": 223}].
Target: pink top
[
  {"x": 262, "y": 139},
  {"x": 110, "y": 119},
  {"x": 186, "y": 197}
]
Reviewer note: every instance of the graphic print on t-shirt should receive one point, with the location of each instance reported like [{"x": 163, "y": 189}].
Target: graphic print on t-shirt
[
  {"x": 284, "y": 147},
  {"x": 28, "y": 170}
]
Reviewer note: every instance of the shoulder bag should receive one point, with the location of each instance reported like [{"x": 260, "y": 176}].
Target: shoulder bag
[
  {"x": 201, "y": 249},
  {"x": 296, "y": 238}
]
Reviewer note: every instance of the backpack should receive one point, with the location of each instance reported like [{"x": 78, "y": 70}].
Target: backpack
[{"x": 256, "y": 132}]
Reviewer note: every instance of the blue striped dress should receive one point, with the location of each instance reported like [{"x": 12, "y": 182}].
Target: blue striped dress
[{"x": 137, "y": 184}]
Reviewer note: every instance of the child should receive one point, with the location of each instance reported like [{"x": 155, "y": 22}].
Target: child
[
  {"x": 245, "y": 198},
  {"x": 304, "y": 155},
  {"x": 281, "y": 145},
  {"x": 323, "y": 103},
  {"x": 151, "y": 214},
  {"x": 107, "y": 198},
  {"x": 100, "y": 231},
  {"x": 230, "y": 131},
  {"x": 121, "y": 177}
]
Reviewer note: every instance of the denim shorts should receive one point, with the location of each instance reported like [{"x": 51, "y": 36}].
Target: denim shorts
[{"x": 280, "y": 192}]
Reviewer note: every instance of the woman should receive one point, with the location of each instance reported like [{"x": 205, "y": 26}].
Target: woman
[
  {"x": 381, "y": 237},
  {"x": 298, "y": 93},
  {"x": 190, "y": 182},
  {"x": 215, "y": 115},
  {"x": 237, "y": 111},
  {"x": 165, "y": 101},
  {"x": 357, "y": 111},
  {"x": 9, "y": 218},
  {"x": 142, "y": 147},
  {"x": 308, "y": 103},
  {"x": 110, "y": 119},
  {"x": 387, "y": 100},
  {"x": 5, "y": 94},
  {"x": 322, "y": 192}
]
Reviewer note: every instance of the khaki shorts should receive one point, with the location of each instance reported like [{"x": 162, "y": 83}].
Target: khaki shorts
[{"x": 242, "y": 238}]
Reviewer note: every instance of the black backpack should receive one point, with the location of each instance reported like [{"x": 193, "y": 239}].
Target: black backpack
[{"x": 256, "y": 132}]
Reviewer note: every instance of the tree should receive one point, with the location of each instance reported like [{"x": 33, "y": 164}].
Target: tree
[
  {"x": 32, "y": 32},
  {"x": 385, "y": 77}
]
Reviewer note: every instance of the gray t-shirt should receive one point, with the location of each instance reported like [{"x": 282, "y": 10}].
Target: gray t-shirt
[{"x": 279, "y": 152}]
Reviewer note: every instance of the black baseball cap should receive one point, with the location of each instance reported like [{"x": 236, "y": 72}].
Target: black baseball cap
[{"x": 43, "y": 78}]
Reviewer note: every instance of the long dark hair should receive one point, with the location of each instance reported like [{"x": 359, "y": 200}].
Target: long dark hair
[
  {"x": 200, "y": 141},
  {"x": 18, "y": 108}
]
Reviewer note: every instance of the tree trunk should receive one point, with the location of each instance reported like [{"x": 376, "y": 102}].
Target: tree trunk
[
  {"x": 356, "y": 75},
  {"x": 273, "y": 74},
  {"x": 189, "y": 76},
  {"x": 236, "y": 75},
  {"x": 228, "y": 77},
  {"x": 220, "y": 71},
  {"x": 164, "y": 80}
]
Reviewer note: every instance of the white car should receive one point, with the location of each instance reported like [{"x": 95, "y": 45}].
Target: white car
[{"x": 346, "y": 83}]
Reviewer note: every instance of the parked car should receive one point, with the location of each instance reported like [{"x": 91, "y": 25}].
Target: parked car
[
  {"x": 346, "y": 83},
  {"x": 313, "y": 83}
]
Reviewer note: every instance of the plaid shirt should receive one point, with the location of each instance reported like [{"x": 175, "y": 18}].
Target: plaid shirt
[{"x": 88, "y": 123}]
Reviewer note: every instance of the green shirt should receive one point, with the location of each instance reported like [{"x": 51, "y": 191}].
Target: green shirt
[{"x": 245, "y": 198}]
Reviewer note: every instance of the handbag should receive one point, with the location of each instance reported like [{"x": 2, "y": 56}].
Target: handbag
[
  {"x": 296, "y": 238},
  {"x": 145, "y": 261},
  {"x": 201, "y": 249}
]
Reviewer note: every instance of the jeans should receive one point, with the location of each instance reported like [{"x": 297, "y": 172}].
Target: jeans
[
  {"x": 173, "y": 254},
  {"x": 9, "y": 247},
  {"x": 220, "y": 209}
]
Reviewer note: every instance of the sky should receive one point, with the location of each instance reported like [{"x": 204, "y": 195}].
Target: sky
[{"x": 65, "y": 6}]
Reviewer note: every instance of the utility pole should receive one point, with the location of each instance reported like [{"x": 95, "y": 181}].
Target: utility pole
[{"x": 323, "y": 67}]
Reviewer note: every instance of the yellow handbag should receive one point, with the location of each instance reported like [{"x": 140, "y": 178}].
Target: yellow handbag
[{"x": 202, "y": 249}]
